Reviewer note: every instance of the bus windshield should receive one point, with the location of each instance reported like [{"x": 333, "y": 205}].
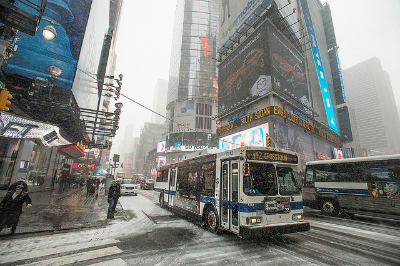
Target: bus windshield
[
  {"x": 261, "y": 180},
  {"x": 287, "y": 182}
]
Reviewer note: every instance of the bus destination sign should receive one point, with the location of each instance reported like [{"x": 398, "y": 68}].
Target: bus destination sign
[{"x": 272, "y": 156}]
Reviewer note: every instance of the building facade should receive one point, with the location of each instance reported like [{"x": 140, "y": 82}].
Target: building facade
[
  {"x": 369, "y": 92},
  {"x": 279, "y": 85},
  {"x": 160, "y": 102},
  {"x": 51, "y": 82},
  {"x": 192, "y": 86}
]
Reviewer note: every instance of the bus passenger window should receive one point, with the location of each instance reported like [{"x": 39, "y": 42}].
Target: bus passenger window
[{"x": 309, "y": 179}]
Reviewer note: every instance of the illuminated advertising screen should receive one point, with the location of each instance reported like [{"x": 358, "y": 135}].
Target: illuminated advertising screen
[
  {"x": 340, "y": 74},
  {"x": 288, "y": 68},
  {"x": 162, "y": 160},
  {"x": 244, "y": 73},
  {"x": 33, "y": 54},
  {"x": 190, "y": 141},
  {"x": 255, "y": 137},
  {"x": 161, "y": 146},
  {"x": 235, "y": 15},
  {"x": 17, "y": 127},
  {"x": 263, "y": 62},
  {"x": 319, "y": 67}
]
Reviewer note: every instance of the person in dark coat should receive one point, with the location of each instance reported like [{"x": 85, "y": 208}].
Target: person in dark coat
[
  {"x": 113, "y": 194},
  {"x": 117, "y": 194},
  {"x": 88, "y": 185},
  {"x": 19, "y": 182},
  {"x": 11, "y": 207}
]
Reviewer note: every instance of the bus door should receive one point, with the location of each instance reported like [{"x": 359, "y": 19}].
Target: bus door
[
  {"x": 229, "y": 195},
  {"x": 171, "y": 187}
]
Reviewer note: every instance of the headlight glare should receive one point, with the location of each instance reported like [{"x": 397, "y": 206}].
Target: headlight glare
[{"x": 297, "y": 216}]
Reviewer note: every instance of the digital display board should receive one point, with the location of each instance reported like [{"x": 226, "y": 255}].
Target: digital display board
[
  {"x": 319, "y": 67},
  {"x": 288, "y": 68},
  {"x": 33, "y": 54},
  {"x": 235, "y": 15},
  {"x": 255, "y": 136},
  {"x": 264, "y": 62},
  {"x": 272, "y": 156},
  {"x": 12, "y": 126},
  {"x": 340, "y": 73}
]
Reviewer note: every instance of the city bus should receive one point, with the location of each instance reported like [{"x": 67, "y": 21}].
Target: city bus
[
  {"x": 249, "y": 191},
  {"x": 365, "y": 185}
]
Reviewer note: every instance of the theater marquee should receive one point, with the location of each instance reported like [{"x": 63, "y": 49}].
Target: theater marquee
[{"x": 277, "y": 111}]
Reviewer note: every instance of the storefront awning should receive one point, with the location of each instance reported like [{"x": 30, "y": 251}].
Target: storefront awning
[{"x": 73, "y": 152}]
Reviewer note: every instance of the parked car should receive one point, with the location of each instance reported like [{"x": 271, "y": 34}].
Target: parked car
[
  {"x": 129, "y": 187},
  {"x": 148, "y": 184}
]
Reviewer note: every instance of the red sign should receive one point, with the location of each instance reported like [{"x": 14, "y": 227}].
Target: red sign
[{"x": 82, "y": 166}]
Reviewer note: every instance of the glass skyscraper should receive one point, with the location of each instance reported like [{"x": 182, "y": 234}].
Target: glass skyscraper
[{"x": 192, "y": 87}]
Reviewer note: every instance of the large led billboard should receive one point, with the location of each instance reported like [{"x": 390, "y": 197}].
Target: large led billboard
[
  {"x": 255, "y": 136},
  {"x": 234, "y": 17},
  {"x": 288, "y": 67},
  {"x": 33, "y": 55},
  {"x": 190, "y": 141},
  {"x": 263, "y": 62},
  {"x": 319, "y": 67}
]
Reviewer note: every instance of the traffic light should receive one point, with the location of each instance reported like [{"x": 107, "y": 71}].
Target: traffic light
[
  {"x": 267, "y": 142},
  {"x": 4, "y": 99}
]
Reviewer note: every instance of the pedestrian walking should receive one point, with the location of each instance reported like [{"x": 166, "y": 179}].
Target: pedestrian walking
[
  {"x": 11, "y": 207},
  {"x": 88, "y": 185},
  {"x": 22, "y": 182},
  {"x": 118, "y": 183},
  {"x": 113, "y": 194}
]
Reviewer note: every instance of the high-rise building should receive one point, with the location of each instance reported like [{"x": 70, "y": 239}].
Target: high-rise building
[
  {"x": 279, "y": 79},
  {"x": 56, "y": 87},
  {"x": 160, "y": 102},
  {"x": 192, "y": 86},
  {"x": 369, "y": 91}
]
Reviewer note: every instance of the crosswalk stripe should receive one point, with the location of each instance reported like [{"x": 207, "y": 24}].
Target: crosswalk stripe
[
  {"x": 51, "y": 251},
  {"x": 116, "y": 262},
  {"x": 74, "y": 258}
]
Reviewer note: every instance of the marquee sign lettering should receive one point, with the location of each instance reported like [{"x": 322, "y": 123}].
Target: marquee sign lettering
[{"x": 276, "y": 110}]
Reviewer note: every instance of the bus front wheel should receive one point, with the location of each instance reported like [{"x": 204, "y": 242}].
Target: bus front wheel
[
  {"x": 161, "y": 200},
  {"x": 212, "y": 221},
  {"x": 329, "y": 207}
]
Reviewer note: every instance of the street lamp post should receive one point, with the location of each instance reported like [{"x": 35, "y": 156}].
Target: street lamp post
[{"x": 117, "y": 105}]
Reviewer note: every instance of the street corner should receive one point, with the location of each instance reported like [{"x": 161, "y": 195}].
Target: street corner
[{"x": 122, "y": 215}]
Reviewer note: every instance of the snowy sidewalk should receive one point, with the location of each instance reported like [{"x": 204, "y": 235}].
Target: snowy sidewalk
[{"x": 56, "y": 210}]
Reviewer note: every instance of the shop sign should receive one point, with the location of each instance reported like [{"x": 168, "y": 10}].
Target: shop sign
[
  {"x": 17, "y": 127},
  {"x": 82, "y": 166}
]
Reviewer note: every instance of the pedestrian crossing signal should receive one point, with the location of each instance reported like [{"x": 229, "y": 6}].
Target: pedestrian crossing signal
[{"x": 5, "y": 96}]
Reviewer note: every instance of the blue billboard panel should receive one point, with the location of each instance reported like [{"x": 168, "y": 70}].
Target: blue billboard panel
[
  {"x": 34, "y": 54},
  {"x": 319, "y": 67}
]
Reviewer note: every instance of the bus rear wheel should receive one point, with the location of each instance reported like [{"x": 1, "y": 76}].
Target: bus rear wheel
[
  {"x": 161, "y": 200},
  {"x": 329, "y": 207},
  {"x": 212, "y": 221}
]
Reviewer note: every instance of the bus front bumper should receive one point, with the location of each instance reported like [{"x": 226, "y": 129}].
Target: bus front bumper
[{"x": 273, "y": 229}]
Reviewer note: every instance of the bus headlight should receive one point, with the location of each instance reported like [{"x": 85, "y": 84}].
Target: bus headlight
[
  {"x": 253, "y": 220},
  {"x": 297, "y": 216}
]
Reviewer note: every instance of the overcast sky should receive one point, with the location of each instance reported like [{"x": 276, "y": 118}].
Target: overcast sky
[{"x": 364, "y": 29}]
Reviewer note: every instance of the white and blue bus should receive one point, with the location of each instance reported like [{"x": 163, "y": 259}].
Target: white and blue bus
[
  {"x": 249, "y": 191},
  {"x": 365, "y": 185}
]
